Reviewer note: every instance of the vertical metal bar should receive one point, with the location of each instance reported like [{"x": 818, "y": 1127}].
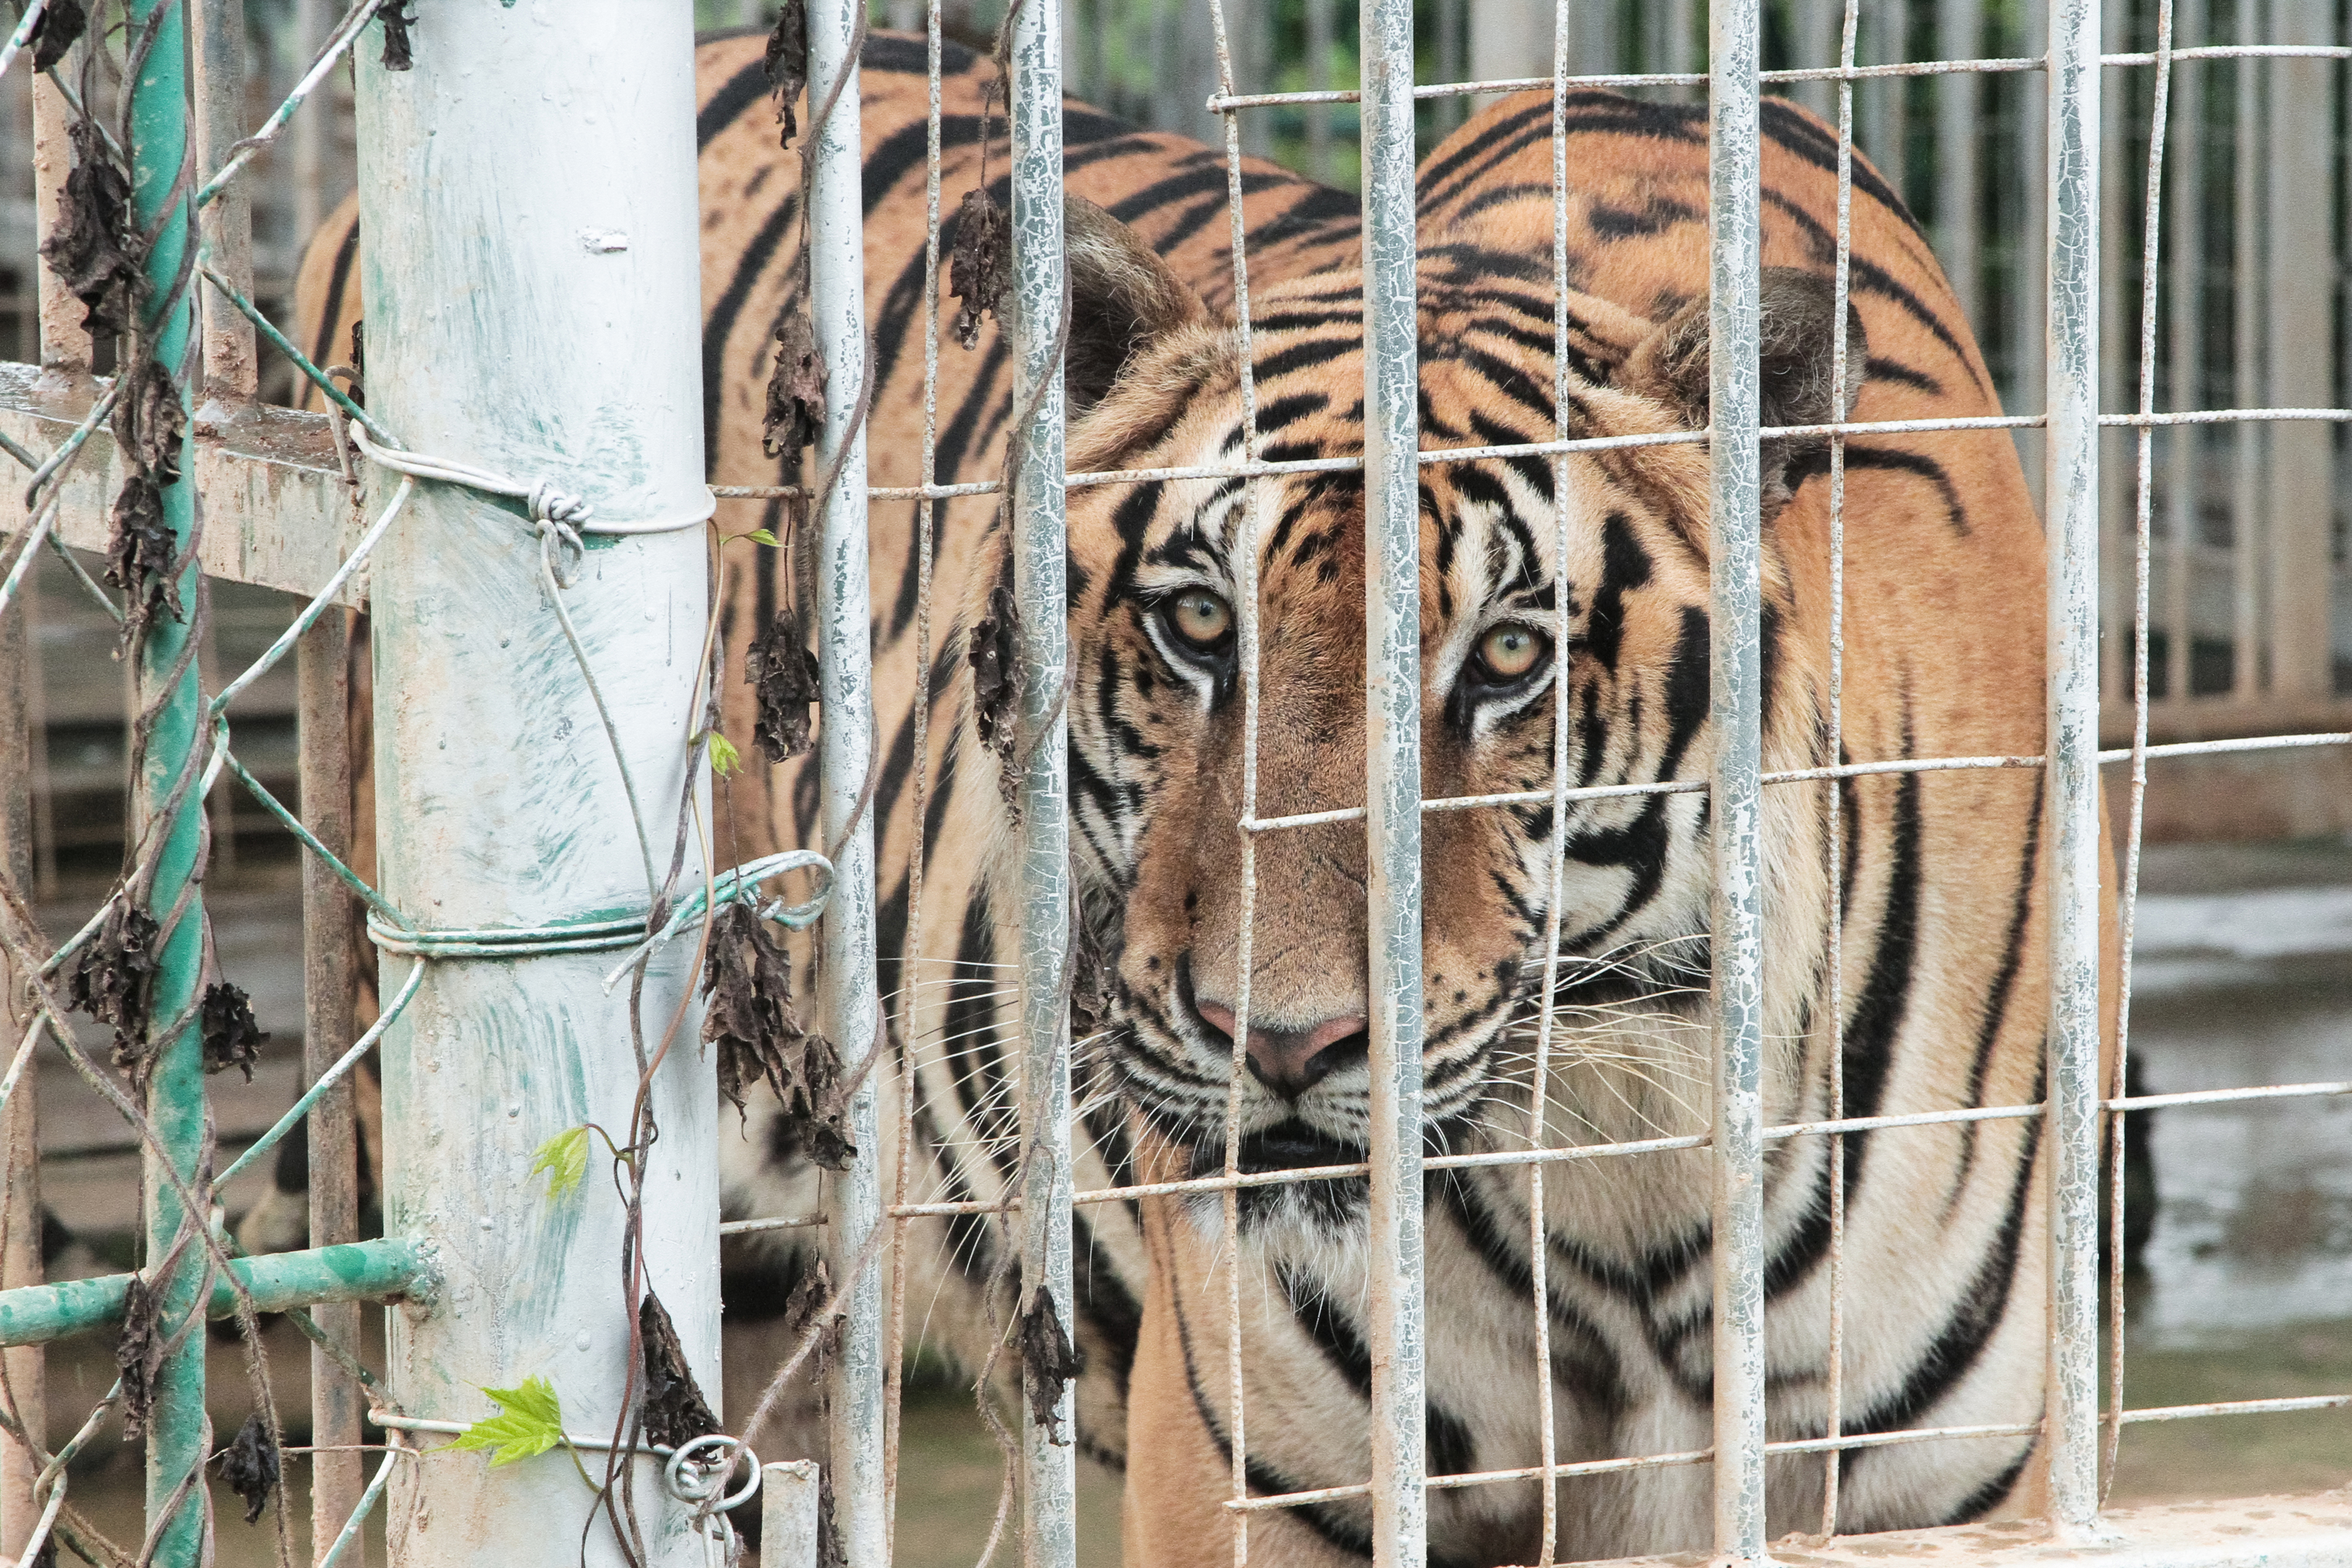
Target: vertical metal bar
[
  {"x": 1256, "y": 63},
  {"x": 2116, "y": 337},
  {"x": 1834, "y": 1005},
  {"x": 1817, "y": 30},
  {"x": 1245, "y": 584},
  {"x": 587, "y": 373},
  {"x": 168, "y": 687},
  {"x": 1451, "y": 24},
  {"x": 2247, "y": 663},
  {"x": 2298, "y": 303},
  {"x": 848, "y": 1002},
  {"x": 789, "y": 1515},
  {"x": 2144, "y": 501},
  {"x": 1734, "y": 588},
  {"x": 1960, "y": 100},
  {"x": 1040, "y": 560},
  {"x": 308, "y": 26},
  {"x": 1556, "y": 850},
  {"x": 1318, "y": 80},
  {"x": 20, "y": 1200},
  {"x": 2030, "y": 300},
  {"x": 1882, "y": 113},
  {"x": 65, "y": 345},
  {"x": 2070, "y": 490},
  {"x": 1392, "y": 780},
  {"x": 2184, "y": 477},
  {"x": 216, "y": 57},
  {"x": 330, "y": 989}
]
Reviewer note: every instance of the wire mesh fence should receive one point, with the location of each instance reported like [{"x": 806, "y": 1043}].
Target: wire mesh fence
[{"x": 1295, "y": 1152}]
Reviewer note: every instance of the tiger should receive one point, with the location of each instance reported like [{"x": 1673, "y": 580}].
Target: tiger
[
  {"x": 1942, "y": 987},
  {"x": 1172, "y": 191}
]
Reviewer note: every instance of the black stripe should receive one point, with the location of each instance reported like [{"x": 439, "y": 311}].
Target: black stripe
[
  {"x": 1873, "y": 1031},
  {"x": 1973, "y": 1319},
  {"x": 1995, "y": 1013},
  {"x": 322, "y": 352},
  {"x": 737, "y": 93},
  {"x": 720, "y": 326},
  {"x": 1988, "y": 1497}
]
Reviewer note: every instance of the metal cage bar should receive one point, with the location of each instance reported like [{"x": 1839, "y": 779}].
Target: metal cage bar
[
  {"x": 849, "y": 1004},
  {"x": 1041, "y": 306},
  {"x": 2070, "y": 499},
  {"x": 168, "y": 683},
  {"x": 1736, "y": 686},
  {"x": 1392, "y": 784}
]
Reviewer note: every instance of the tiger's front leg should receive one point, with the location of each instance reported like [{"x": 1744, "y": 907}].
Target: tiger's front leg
[{"x": 1179, "y": 1460}]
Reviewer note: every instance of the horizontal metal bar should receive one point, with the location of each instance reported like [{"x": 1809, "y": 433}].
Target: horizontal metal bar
[
  {"x": 2226, "y": 1096},
  {"x": 390, "y": 1422},
  {"x": 1647, "y": 1461},
  {"x": 2237, "y": 1407},
  {"x": 1263, "y": 469},
  {"x": 1840, "y": 1126},
  {"x": 1805, "y": 775},
  {"x": 355, "y": 1271},
  {"x": 2301, "y": 1531},
  {"x": 753, "y": 1226},
  {"x": 277, "y": 511},
  {"x": 1220, "y": 103}
]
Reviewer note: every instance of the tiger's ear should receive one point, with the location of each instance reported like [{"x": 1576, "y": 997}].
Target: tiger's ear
[
  {"x": 1794, "y": 355},
  {"x": 1123, "y": 299}
]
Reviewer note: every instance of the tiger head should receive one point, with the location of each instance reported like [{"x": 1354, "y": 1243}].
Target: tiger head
[{"x": 1163, "y": 775}]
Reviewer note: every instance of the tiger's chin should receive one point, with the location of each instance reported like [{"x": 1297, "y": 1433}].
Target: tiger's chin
[{"x": 1323, "y": 1207}]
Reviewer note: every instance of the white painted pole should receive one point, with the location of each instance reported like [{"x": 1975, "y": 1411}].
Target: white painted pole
[
  {"x": 2071, "y": 492},
  {"x": 847, "y": 1011},
  {"x": 1398, "y": 1328},
  {"x": 537, "y": 314}
]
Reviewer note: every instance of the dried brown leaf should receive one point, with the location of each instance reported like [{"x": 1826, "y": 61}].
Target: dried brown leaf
[
  {"x": 91, "y": 248},
  {"x": 139, "y": 557},
  {"x": 232, "y": 1038},
  {"x": 1049, "y": 1362},
  {"x": 250, "y": 1465},
  {"x": 114, "y": 982},
  {"x": 817, "y": 1116},
  {"x": 149, "y": 418},
  {"x": 996, "y": 679},
  {"x": 399, "y": 54},
  {"x": 787, "y": 63},
  {"x": 1089, "y": 987},
  {"x": 747, "y": 991},
  {"x": 138, "y": 1355},
  {"x": 830, "y": 1553},
  {"x": 674, "y": 1410},
  {"x": 783, "y": 670},
  {"x": 978, "y": 265},
  {"x": 795, "y": 413},
  {"x": 61, "y": 26}
]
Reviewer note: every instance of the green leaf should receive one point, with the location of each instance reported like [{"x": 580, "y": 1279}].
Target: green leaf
[
  {"x": 529, "y": 1421},
  {"x": 724, "y": 758},
  {"x": 565, "y": 1158},
  {"x": 761, "y": 536}
]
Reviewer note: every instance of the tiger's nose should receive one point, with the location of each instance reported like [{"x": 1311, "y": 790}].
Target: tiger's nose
[{"x": 1292, "y": 1062}]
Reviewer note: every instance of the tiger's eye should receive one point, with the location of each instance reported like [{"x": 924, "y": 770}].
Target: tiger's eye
[
  {"x": 1510, "y": 651},
  {"x": 1199, "y": 617}
]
